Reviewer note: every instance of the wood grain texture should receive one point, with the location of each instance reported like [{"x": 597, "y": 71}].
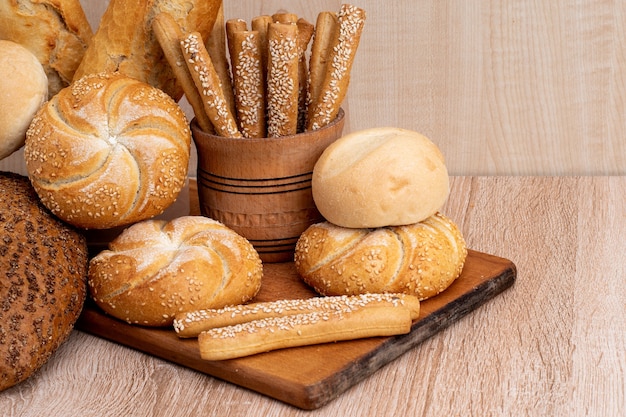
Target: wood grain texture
[
  {"x": 504, "y": 88},
  {"x": 553, "y": 344}
]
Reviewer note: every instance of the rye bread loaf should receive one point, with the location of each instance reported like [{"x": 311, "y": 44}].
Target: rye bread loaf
[{"x": 43, "y": 269}]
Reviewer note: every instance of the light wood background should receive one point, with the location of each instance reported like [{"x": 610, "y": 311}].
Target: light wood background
[{"x": 504, "y": 88}]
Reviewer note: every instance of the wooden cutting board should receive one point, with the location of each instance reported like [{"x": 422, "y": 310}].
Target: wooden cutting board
[{"x": 309, "y": 377}]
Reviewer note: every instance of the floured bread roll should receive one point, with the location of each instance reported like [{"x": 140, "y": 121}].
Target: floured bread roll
[
  {"x": 420, "y": 259},
  {"x": 108, "y": 151},
  {"x": 23, "y": 90},
  {"x": 156, "y": 269},
  {"x": 57, "y": 32},
  {"x": 380, "y": 177}
]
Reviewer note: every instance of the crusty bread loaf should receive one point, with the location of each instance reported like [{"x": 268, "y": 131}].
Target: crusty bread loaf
[
  {"x": 125, "y": 41},
  {"x": 378, "y": 177},
  {"x": 23, "y": 90},
  {"x": 421, "y": 259},
  {"x": 108, "y": 151},
  {"x": 156, "y": 269},
  {"x": 57, "y": 32},
  {"x": 43, "y": 269}
]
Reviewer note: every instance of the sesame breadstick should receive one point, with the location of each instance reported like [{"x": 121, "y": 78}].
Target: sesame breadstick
[
  {"x": 264, "y": 335},
  {"x": 232, "y": 26},
  {"x": 216, "y": 46},
  {"x": 285, "y": 17},
  {"x": 325, "y": 31},
  {"x": 305, "y": 33},
  {"x": 260, "y": 24},
  {"x": 208, "y": 84},
  {"x": 169, "y": 34},
  {"x": 350, "y": 21},
  {"x": 282, "y": 80},
  {"x": 191, "y": 324},
  {"x": 248, "y": 83}
]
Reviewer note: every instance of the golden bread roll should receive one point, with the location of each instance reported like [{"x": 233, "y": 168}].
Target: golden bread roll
[
  {"x": 23, "y": 90},
  {"x": 380, "y": 177},
  {"x": 125, "y": 42},
  {"x": 156, "y": 269},
  {"x": 43, "y": 264},
  {"x": 421, "y": 259},
  {"x": 108, "y": 151},
  {"x": 57, "y": 32}
]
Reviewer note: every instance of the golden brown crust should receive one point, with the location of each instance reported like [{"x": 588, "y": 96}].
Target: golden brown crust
[
  {"x": 192, "y": 323},
  {"x": 302, "y": 329},
  {"x": 350, "y": 22},
  {"x": 108, "y": 151},
  {"x": 43, "y": 263},
  {"x": 208, "y": 84},
  {"x": 421, "y": 259},
  {"x": 169, "y": 34},
  {"x": 282, "y": 80},
  {"x": 216, "y": 47},
  {"x": 325, "y": 31},
  {"x": 156, "y": 269},
  {"x": 55, "y": 31},
  {"x": 124, "y": 40}
]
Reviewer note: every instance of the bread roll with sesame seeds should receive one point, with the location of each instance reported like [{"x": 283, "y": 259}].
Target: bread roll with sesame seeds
[
  {"x": 155, "y": 269},
  {"x": 108, "y": 151},
  {"x": 420, "y": 259}
]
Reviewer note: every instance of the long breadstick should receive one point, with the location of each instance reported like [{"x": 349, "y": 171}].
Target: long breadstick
[
  {"x": 191, "y": 324},
  {"x": 208, "y": 84},
  {"x": 302, "y": 329},
  {"x": 260, "y": 24},
  {"x": 216, "y": 46},
  {"x": 248, "y": 83},
  {"x": 305, "y": 33},
  {"x": 232, "y": 26},
  {"x": 169, "y": 34},
  {"x": 282, "y": 80},
  {"x": 350, "y": 22},
  {"x": 325, "y": 31}
]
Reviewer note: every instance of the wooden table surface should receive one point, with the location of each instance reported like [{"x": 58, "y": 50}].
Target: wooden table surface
[{"x": 553, "y": 344}]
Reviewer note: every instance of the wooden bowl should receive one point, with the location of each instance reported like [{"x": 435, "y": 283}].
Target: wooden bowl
[{"x": 261, "y": 188}]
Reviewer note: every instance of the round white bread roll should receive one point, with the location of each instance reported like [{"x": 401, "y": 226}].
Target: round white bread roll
[
  {"x": 156, "y": 269},
  {"x": 108, "y": 151},
  {"x": 420, "y": 259},
  {"x": 23, "y": 90},
  {"x": 380, "y": 177}
]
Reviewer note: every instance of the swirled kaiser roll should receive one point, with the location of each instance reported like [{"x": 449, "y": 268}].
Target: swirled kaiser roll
[
  {"x": 420, "y": 259},
  {"x": 43, "y": 271},
  {"x": 378, "y": 177},
  {"x": 156, "y": 269},
  {"x": 108, "y": 151}
]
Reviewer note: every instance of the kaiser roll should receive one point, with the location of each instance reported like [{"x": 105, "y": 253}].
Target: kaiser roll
[
  {"x": 156, "y": 269},
  {"x": 23, "y": 90},
  {"x": 420, "y": 259},
  {"x": 380, "y": 177},
  {"x": 108, "y": 151},
  {"x": 43, "y": 264}
]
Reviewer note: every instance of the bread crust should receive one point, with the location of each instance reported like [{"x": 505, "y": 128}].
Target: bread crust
[
  {"x": 156, "y": 269},
  {"x": 421, "y": 259},
  {"x": 108, "y": 151},
  {"x": 124, "y": 41},
  {"x": 57, "y": 32},
  {"x": 43, "y": 264}
]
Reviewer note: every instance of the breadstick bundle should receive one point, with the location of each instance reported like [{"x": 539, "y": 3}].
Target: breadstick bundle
[
  {"x": 248, "y": 329},
  {"x": 285, "y": 74}
]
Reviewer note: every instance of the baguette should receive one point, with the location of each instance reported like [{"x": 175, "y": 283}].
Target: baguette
[
  {"x": 192, "y": 323},
  {"x": 208, "y": 84},
  {"x": 350, "y": 21},
  {"x": 273, "y": 333}
]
